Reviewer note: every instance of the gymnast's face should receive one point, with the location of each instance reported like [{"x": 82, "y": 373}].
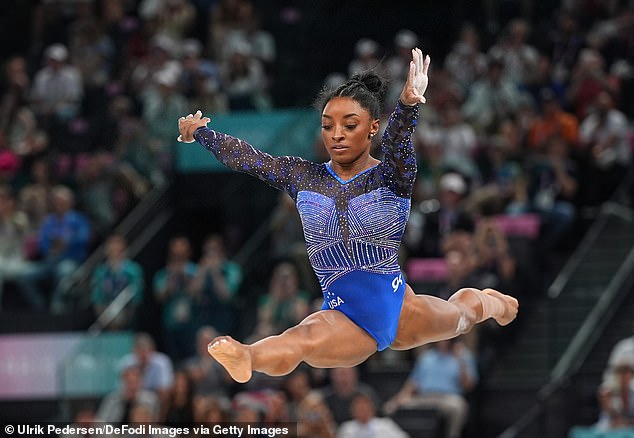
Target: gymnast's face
[{"x": 346, "y": 129}]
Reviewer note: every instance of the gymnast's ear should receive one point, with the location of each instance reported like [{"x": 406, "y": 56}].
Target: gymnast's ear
[{"x": 374, "y": 128}]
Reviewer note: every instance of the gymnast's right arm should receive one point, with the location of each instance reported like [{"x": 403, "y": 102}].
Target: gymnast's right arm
[{"x": 239, "y": 155}]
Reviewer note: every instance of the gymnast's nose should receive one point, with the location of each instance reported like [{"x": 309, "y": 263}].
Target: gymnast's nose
[{"x": 337, "y": 134}]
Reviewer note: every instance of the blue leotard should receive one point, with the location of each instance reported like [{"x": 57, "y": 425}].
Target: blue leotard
[{"x": 353, "y": 228}]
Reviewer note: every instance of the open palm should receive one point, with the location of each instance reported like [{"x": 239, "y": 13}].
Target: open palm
[{"x": 417, "y": 79}]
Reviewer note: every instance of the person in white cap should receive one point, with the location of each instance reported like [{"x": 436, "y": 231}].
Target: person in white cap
[
  {"x": 58, "y": 88},
  {"x": 366, "y": 52},
  {"x": 397, "y": 65}
]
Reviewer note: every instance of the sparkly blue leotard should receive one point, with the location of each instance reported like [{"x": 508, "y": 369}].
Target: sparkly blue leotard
[{"x": 353, "y": 228}]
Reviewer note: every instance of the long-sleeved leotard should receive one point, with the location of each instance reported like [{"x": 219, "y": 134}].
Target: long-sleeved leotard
[{"x": 352, "y": 228}]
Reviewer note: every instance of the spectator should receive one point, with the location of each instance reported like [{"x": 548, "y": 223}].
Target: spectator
[
  {"x": 520, "y": 59},
  {"x": 57, "y": 88},
  {"x": 35, "y": 198},
  {"x": 209, "y": 409},
  {"x": 84, "y": 417},
  {"x": 197, "y": 68},
  {"x": 63, "y": 241},
  {"x": 314, "y": 418},
  {"x": 553, "y": 121},
  {"x": 117, "y": 406},
  {"x": 92, "y": 52},
  {"x": 491, "y": 99},
  {"x": 616, "y": 396},
  {"x": 397, "y": 65},
  {"x": 504, "y": 178},
  {"x": 227, "y": 16},
  {"x": 160, "y": 103},
  {"x": 95, "y": 187},
  {"x": 443, "y": 374},
  {"x": 566, "y": 42},
  {"x": 604, "y": 137},
  {"x": 17, "y": 119},
  {"x": 181, "y": 410},
  {"x": 297, "y": 386},
  {"x": 588, "y": 80},
  {"x": 448, "y": 217},
  {"x": 176, "y": 18},
  {"x": 622, "y": 351},
  {"x": 215, "y": 285},
  {"x": 367, "y": 56},
  {"x": 208, "y": 377},
  {"x": 112, "y": 277},
  {"x": 344, "y": 387},
  {"x": 145, "y": 413},
  {"x": 287, "y": 239},
  {"x": 553, "y": 184},
  {"x": 134, "y": 154},
  {"x": 285, "y": 304},
  {"x": 466, "y": 63},
  {"x": 9, "y": 161},
  {"x": 244, "y": 79},
  {"x": 157, "y": 372},
  {"x": 262, "y": 42},
  {"x": 495, "y": 262},
  {"x": 14, "y": 227},
  {"x": 172, "y": 288},
  {"x": 455, "y": 139},
  {"x": 365, "y": 423},
  {"x": 159, "y": 56},
  {"x": 208, "y": 94},
  {"x": 287, "y": 236}
]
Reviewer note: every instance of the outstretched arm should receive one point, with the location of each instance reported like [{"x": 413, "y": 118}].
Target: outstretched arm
[
  {"x": 396, "y": 145},
  {"x": 239, "y": 155}
]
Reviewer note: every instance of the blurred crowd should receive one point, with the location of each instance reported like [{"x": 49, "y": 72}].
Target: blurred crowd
[{"x": 521, "y": 141}]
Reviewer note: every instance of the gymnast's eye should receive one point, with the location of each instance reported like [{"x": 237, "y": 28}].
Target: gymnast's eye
[
  {"x": 351, "y": 127},
  {"x": 325, "y": 127}
]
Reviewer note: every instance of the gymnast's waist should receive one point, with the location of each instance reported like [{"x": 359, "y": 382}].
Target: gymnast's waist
[{"x": 365, "y": 280}]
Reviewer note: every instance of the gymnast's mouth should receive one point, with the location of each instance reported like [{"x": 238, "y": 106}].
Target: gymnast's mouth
[{"x": 339, "y": 147}]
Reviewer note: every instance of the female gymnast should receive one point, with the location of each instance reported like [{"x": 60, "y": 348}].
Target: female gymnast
[{"x": 353, "y": 209}]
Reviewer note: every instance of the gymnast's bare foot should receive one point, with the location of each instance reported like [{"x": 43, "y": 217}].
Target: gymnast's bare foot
[
  {"x": 232, "y": 355},
  {"x": 510, "y": 306}
]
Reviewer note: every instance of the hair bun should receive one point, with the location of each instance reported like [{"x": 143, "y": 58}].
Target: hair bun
[{"x": 372, "y": 81}]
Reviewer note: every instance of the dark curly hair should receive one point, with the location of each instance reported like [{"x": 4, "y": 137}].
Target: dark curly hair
[{"x": 367, "y": 88}]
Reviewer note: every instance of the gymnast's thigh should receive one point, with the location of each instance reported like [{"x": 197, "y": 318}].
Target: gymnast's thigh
[
  {"x": 424, "y": 319},
  {"x": 334, "y": 340}
]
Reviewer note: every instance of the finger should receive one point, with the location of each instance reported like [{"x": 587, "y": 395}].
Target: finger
[
  {"x": 190, "y": 116},
  {"x": 426, "y": 64},
  {"x": 412, "y": 71},
  {"x": 417, "y": 56},
  {"x": 206, "y": 120},
  {"x": 180, "y": 138},
  {"x": 198, "y": 114}
]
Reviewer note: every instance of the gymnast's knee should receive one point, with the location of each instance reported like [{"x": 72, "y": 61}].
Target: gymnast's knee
[{"x": 468, "y": 302}]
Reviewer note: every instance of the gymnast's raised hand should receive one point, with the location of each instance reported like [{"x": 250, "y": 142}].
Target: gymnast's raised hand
[{"x": 417, "y": 79}]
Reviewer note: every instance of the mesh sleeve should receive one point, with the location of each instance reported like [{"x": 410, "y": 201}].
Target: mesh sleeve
[
  {"x": 398, "y": 150},
  {"x": 238, "y": 155}
]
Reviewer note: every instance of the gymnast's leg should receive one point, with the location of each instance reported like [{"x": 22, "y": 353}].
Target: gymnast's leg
[
  {"x": 325, "y": 339},
  {"x": 426, "y": 318}
]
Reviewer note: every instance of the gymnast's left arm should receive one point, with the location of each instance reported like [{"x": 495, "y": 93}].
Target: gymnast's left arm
[{"x": 396, "y": 144}]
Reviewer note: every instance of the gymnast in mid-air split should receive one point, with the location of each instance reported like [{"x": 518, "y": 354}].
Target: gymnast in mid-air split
[{"x": 353, "y": 209}]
